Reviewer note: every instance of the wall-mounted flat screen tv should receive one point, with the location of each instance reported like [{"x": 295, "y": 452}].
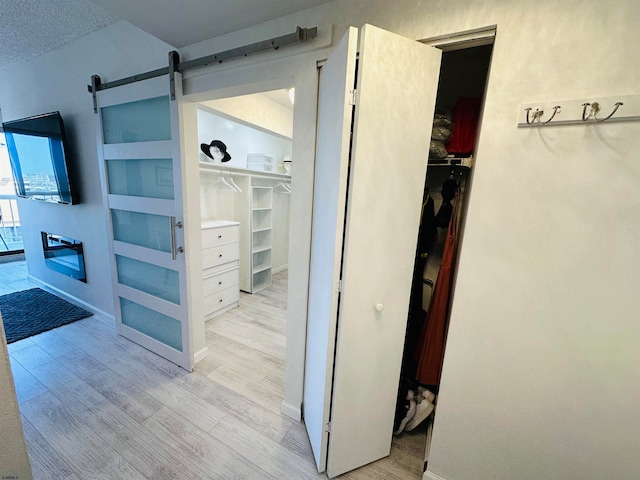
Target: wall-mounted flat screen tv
[{"x": 38, "y": 153}]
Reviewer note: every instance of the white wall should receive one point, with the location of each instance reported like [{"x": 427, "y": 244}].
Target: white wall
[
  {"x": 14, "y": 462},
  {"x": 539, "y": 378},
  {"x": 257, "y": 109},
  {"x": 58, "y": 81}
]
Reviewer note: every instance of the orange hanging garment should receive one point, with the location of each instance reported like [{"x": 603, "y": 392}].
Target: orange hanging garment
[{"x": 433, "y": 337}]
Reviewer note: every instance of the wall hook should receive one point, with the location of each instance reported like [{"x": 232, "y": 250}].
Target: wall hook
[
  {"x": 535, "y": 117},
  {"x": 595, "y": 108}
]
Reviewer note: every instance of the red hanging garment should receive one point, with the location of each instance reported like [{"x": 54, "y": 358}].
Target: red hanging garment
[
  {"x": 430, "y": 351},
  {"x": 465, "y": 125}
]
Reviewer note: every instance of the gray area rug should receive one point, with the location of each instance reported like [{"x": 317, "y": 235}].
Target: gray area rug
[{"x": 35, "y": 311}]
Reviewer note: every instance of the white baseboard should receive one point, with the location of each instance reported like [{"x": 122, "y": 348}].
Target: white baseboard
[
  {"x": 200, "y": 354},
  {"x": 279, "y": 269},
  {"x": 431, "y": 476},
  {"x": 291, "y": 411},
  {"x": 72, "y": 299}
]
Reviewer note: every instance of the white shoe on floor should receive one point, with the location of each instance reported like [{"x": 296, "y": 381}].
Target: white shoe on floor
[
  {"x": 424, "y": 393},
  {"x": 411, "y": 411},
  {"x": 423, "y": 410}
]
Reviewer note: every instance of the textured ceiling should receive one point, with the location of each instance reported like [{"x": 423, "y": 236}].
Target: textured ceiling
[
  {"x": 29, "y": 28},
  {"x": 181, "y": 23}
]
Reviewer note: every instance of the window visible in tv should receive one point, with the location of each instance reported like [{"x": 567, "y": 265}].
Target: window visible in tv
[{"x": 37, "y": 150}]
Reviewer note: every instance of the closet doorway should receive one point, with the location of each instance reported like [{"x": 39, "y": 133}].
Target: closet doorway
[
  {"x": 244, "y": 161},
  {"x": 461, "y": 90}
]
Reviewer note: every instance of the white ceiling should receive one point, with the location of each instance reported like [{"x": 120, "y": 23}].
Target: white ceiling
[{"x": 30, "y": 28}]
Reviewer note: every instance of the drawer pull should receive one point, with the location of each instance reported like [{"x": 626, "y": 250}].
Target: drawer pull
[
  {"x": 219, "y": 237},
  {"x": 220, "y": 256},
  {"x": 219, "y": 283},
  {"x": 220, "y": 300}
]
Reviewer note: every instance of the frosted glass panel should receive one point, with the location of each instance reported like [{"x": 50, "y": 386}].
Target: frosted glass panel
[
  {"x": 145, "y": 230},
  {"x": 153, "y": 324},
  {"x": 157, "y": 281},
  {"x": 151, "y": 178},
  {"x": 141, "y": 121}
]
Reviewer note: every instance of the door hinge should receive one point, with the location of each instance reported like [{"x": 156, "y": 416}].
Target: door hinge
[
  {"x": 340, "y": 286},
  {"x": 327, "y": 427},
  {"x": 354, "y": 94}
]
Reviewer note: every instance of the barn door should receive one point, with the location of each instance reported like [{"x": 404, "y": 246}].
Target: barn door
[
  {"x": 364, "y": 240},
  {"x": 141, "y": 170}
]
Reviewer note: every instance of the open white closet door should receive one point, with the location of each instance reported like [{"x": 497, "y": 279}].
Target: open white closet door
[
  {"x": 140, "y": 165},
  {"x": 362, "y": 255}
]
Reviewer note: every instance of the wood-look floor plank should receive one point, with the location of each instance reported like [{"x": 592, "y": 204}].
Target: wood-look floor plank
[
  {"x": 274, "y": 425},
  {"x": 372, "y": 472},
  {"x": 27, "y": 386},
  {"x": 413, "y": 443},
  {"x": 259, "y": 393},
  {"x": 236, "y": 348},
  {"x": 238, "y": 362},
  {"x": 214, "y": 455},
  {"x": 119, "y": 391},
  {"x": 168, "y": 391},
  {"x": 80, "y": 447},
  {"x": 275, "y": 381},
  {"x": 146, "y": 452},
  {"x": 250, "y": 336},
  {"x": 58, "y": 380},
  {"x": 297, "y": 440},
  {"x": 20, "y": 344},
  {"x": 264, "y": 316},
  {"x": 99, "y": 347},
  {"x": 264, "y": 452},
  {"x": 253, "y": 337},
  {"x": 46, "y": 464},
  {"x": 53, "y": 342}
]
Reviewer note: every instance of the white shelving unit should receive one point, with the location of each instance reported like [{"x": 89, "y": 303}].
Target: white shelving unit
[{"x": 261, "y": 236}]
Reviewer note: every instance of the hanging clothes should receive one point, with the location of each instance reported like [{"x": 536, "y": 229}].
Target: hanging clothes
[
  {"x": 427, "y": 235},
  {"x": 466, "y": 114},
  {"x": 430, "y": 350}
]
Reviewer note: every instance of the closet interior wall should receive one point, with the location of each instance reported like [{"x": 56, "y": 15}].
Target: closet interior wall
[{"x": 463, "y": 74}]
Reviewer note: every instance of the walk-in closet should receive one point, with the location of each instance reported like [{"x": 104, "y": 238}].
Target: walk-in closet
[{"x": 461, "y": 87}]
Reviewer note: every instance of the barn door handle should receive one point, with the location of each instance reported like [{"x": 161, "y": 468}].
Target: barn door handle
[{"x": 174, "y": 247}]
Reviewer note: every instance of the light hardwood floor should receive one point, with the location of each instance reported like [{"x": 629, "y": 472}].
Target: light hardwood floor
[{"x": 95, "y": 405}]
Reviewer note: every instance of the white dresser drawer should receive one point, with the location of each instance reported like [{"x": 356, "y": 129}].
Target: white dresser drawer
[
  {"x": 214, "y": 237},
  {"x": 219, "y": 300},
  {"x": 212, "y": 257},
  {"x": 220, "y": 281}
]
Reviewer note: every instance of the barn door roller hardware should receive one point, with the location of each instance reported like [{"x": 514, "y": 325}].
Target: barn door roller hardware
[{"x": 299, "y": 36}]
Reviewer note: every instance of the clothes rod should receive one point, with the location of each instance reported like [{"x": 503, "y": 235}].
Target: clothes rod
[
  {"x": 206, "y": 169},
  {"x": 299, "y": 36}
]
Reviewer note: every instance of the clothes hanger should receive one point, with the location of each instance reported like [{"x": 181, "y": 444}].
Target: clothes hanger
[
  {"x": 286, "y": 187},
  {"x": 234, "y": 185},
  {"x": 221, "y": 184}
]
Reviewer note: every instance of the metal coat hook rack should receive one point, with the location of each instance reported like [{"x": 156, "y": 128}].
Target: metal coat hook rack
[
  {"x": 595, "y": 108},
  {"x": 536, "y": 116},
  {"x": 576, "y": 112}
]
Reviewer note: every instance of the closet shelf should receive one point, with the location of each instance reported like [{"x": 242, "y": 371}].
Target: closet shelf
[
  {"x": 451, "y": 161},
  {"x": 260, "y": 268},
  {"x": 260, "y": 249}
]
